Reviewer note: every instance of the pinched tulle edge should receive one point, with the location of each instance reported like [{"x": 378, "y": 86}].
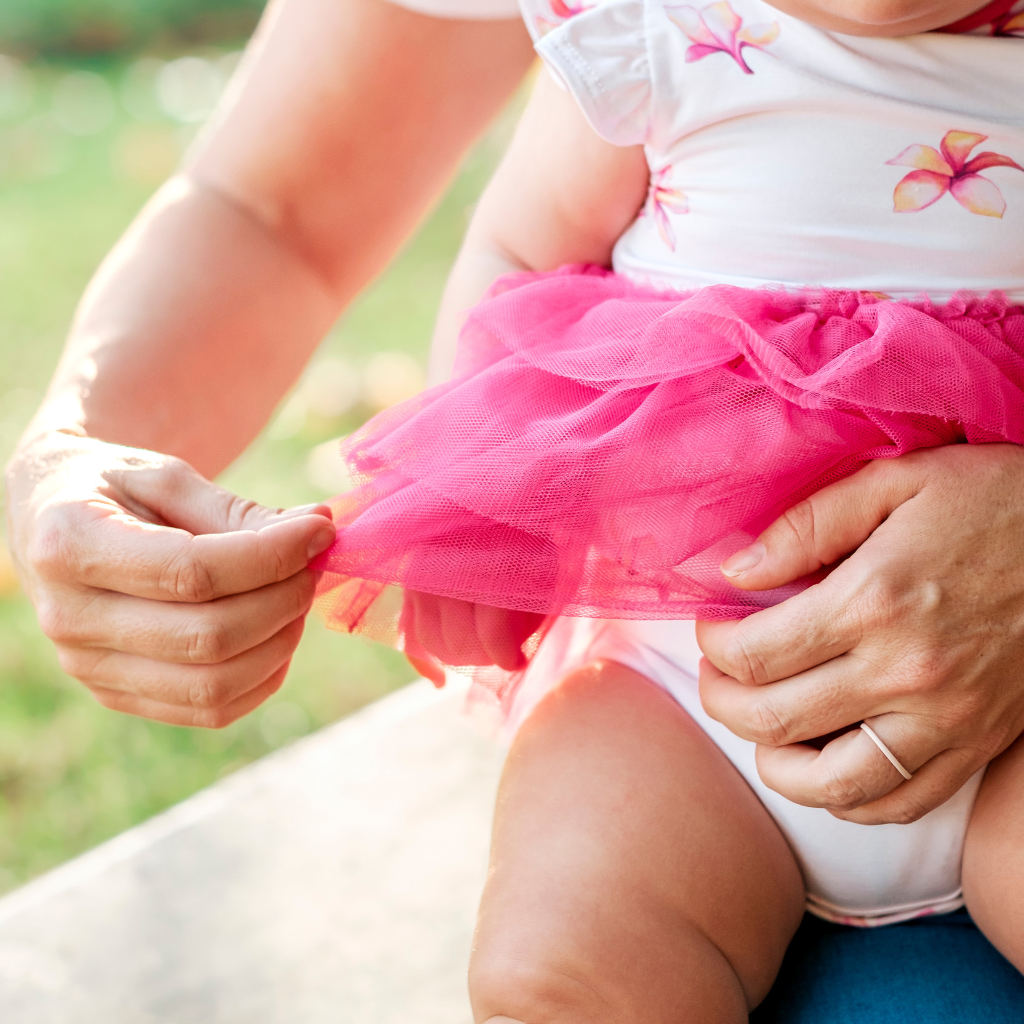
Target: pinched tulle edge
[{"x": 378, "y": 607}]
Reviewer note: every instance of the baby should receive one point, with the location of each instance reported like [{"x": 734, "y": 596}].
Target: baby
[{"x": 641, "y": 871}]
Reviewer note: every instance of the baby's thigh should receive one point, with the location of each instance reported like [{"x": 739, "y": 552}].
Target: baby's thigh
[
  {"x": 993, "y": 871},
  {"x": 634, "y": 874}
]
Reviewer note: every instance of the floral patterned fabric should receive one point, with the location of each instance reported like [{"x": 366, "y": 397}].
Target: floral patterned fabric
[
  {"x": 652, "y": 433},
  {"x": 784, "y": 154}
]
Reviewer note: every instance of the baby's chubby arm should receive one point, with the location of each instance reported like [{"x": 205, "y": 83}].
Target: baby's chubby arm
[{"x": 561, "y": 195}]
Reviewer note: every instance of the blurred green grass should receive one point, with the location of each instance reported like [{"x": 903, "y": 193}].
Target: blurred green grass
[
  {"x": 103, "y": 26},
  {"x": 72, "y": 773}
]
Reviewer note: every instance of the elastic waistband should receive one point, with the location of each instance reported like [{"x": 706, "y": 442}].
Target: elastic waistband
[{"x": 840, "y": 915}]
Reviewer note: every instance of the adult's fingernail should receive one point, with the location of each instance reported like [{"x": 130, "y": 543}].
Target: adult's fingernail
[
  {"x": 321, "y": 541},
  {"x": 743, "y": 561}
]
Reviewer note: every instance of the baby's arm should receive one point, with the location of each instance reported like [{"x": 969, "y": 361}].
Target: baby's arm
[{"x": 561, "y": 195}]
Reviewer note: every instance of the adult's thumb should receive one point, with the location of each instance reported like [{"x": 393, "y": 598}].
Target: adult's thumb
[{"x": 826, "y": 527}]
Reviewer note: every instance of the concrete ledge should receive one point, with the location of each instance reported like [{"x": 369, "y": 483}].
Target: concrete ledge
[{"x": 335, "y": 881}]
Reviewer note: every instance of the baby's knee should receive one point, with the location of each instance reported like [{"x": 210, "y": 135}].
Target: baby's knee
[
  {"x": 563, "y": 983},
  {"x": 509, "y": 991}
]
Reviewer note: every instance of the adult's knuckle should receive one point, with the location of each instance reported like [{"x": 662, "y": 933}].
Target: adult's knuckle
[
  {"x": 801, "y": 521},
  {"x": 238, "y": 510},
  {"x": 47, "y": 552},
  {"x": 743, "y": 661},
  {"x": 907, "y": 811},
  {"x": 214, "y": 718},
  {"x": 176, "y": 475},
  {"x": 842, "y": 792},
  {"x": 768, "y": 723},
  {"x": 947, "y": 720},
  {"x": 69, "y": 660},
  {"x": 874, "y": 605},
  {"x": 77, "y": 663},
  {"x": 922, "y": 672},
  {"x": 209, "y": 690},
  {"x": 112, "y": 700},
  {"x": 56, "y": 621},
  {"x": 208, "y": 642},
  {"x": 186, "y": 578}
]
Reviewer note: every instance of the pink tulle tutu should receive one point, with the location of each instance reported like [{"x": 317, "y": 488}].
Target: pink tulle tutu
[{"x": 602, "y": 446}]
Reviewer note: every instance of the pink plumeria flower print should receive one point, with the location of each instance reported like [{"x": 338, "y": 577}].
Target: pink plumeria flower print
[
  {"x": 936, "y": 173},
  {"x": 561, "y": 10},
  {"x": 661, "y": 198},
  {"x": 719, "y": 29}
]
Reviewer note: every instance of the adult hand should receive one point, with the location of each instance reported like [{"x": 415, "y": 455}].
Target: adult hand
[
  {"x": 920, "y": 632},
  {"x": 166, "y": 595}
]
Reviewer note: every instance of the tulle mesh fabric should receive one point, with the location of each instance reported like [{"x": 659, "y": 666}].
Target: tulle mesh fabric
[{"x": 602, "y": 446}]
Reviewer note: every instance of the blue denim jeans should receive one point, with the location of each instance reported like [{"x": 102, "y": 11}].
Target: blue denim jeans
[{"x": 935, "y": 970}]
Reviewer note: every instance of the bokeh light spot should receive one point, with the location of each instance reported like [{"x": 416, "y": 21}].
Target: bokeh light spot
[
  {"x": 146, "y": 153},
  {"x": 83, "y": 103},
  {"x": 326, "y": 469},
  {"x": 15, "y": 88},
  {"x": 331, "y": 387},
  {"x": 188, "y": 88},
  {"x": 138, "y": 89},
  {"x": 390, "y": 378}
]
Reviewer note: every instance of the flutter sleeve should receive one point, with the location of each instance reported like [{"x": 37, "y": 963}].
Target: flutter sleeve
[{"x": 600, "y": 55}]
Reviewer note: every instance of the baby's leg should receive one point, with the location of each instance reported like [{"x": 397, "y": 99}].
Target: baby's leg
[
  {"x": 993, "y": 870},
  {"x": 635, "y": 878}
]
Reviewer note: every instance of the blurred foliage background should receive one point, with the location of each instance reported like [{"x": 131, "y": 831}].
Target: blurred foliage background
[
  {"x": 98, "y": 99},
  {"x": 84, "y": 27}
]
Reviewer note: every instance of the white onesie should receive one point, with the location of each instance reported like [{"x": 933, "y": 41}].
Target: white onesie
[
  {"x": 854, "y": 874},
  {"x": 784, "y": 154}
]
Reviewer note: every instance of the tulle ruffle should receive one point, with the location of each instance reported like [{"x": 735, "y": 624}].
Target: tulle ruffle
[{"x": 602, "y": 446}]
